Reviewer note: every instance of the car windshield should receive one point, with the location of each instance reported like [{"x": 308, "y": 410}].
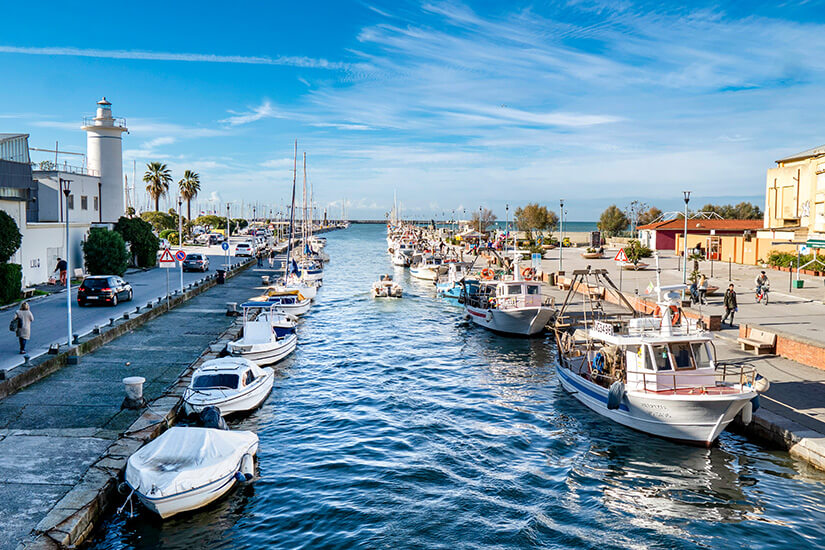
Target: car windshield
[
  {"x": 95, "y": 283},
  {"x": 194, "y": 257},
  {"x": 206, "y": 381}
]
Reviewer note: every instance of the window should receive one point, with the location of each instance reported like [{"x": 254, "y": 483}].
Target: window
[
  {"x": 682, "y": 356},
  {"x": 206, "y": 381},
  {"x": 97, "y": 206},
  {"x": 248, "y": 378},
  {"x": 84, "y": 202},
  {"x": 532, "y": 289},
  {"x": 700, "y": 355},
  {"x": 659, "y": 358},
  {"x": 70, "y": 201},
  {"x": 513, "y": 289}
]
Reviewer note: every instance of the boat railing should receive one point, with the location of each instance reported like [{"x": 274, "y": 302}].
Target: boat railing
[{"x": 729, "y": 376}]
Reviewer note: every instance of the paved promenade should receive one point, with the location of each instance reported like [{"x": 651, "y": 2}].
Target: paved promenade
[{"x": 52, "y": 431}]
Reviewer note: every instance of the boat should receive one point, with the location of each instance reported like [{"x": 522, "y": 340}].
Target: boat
[
  {"x": 289, "y": 300},
  {"x": 655, "y": 374},
  {"x": 425, "y": 266},
  {"x": 385, "y": 287},
  {"x": 450, "y": 281},
  {"x": 310, "y": 269},
  {"x": 510, "y": 307},
  {"x": 232, "y": 384},
  {"x": 186, "y": 468},
  {"x": 262, "y": 342},
  {"x": 307, "y": 289}
]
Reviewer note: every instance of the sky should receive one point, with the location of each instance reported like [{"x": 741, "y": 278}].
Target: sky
[{"x": 452, "y": 105}]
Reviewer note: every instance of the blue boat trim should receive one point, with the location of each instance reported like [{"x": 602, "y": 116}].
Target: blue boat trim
[{"x": 587, "y": 391}]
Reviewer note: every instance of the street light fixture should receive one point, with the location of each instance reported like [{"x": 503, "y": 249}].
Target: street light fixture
[
  {"x": 684, "y": 241},
  {"x": 561, "y": 232},
  {"x": 65, "y": 187}
]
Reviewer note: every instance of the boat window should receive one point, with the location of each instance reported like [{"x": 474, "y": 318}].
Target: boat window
[
  {"x": 682, "y": 356},
  {"x": 248, "y": 378},
  {"x": 207, "y": 381},
  {"x": 700, "y": 355},
  {"x": 532, "y": 289},
  {"x": 659, "y": 358},
  {"x": 513, "y": 289}
]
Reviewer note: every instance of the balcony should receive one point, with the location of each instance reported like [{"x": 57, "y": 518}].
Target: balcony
[
  {"x": 94, "y": 121},
  {"x": 48, "y": 166}
]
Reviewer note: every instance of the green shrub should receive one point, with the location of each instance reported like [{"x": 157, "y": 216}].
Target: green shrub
[
  {"x": 105, "y": 252},
  {"x": 635, "y": 251},
  {"x": 10, "y": 237},
  {"x": 787, "y": 259},
  {"x": 160, "y": 220},
  {"x": 11, "y": 280},
  {"x": 144, "y": 242}
]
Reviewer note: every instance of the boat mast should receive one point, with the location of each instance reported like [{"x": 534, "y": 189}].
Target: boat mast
[{"x": 291, "y": 214}]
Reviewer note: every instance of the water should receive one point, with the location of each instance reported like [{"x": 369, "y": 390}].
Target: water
[{"x": 396, "y": 425}]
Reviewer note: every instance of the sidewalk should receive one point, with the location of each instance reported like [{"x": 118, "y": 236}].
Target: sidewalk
[{"x": 51, "y": 432}]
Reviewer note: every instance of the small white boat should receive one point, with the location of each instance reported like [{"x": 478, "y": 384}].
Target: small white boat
[
  {"x": 308, "y": 289},
  {"x": 310, "y": 270},
  {"x": 425, "y": 266},
  {"x": 187, "y": 468},
  {"x": 262, "y": 342},
  {"x": 510, "y": 307},
  {"x": 232, "y": 384},
  {"x": 290, "y": 301},
  {"x": 401, "y": 259},
  {"x": 385, "y": 287}
]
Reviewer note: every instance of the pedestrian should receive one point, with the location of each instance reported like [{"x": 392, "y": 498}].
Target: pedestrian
[
  {"x": 731, "y": 307},
  {"x": 62, "y": 267},
  {"x": 22, "y": 325},
  {"x": 703, "y": 290},
  {"x": 271, "y": 259},
  {"x": 260, "y": 256}
]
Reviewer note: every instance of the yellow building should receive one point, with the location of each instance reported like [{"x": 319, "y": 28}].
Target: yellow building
[{"x": 795, "y": 196}]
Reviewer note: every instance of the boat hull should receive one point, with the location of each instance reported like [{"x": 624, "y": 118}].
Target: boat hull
[
  {"x": 265, "y": 354},
  {"x": 695, "y": 420},
  {"x": 424, "y": 273},
  {"x": 528, "y": 321}
]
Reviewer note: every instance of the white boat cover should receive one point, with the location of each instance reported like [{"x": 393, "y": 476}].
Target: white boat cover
[{"x": 184, "y": 458}]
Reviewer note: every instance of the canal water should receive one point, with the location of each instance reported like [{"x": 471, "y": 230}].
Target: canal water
[{"x": 397, "y": 425}]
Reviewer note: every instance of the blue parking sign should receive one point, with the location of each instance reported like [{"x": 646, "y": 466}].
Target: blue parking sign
[{"x": 225, "y": 246}]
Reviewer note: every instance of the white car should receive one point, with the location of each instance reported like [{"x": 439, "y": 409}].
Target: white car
[{"x": 244, "y": 249}]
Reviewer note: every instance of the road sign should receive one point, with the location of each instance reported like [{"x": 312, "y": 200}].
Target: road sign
[
  {"x": 535, "y": 257},
  {"x": 621, "y": 256},
  {"x": 225, "y": 246},
  {"x": 180, "y": 255},
  {"x": 166, "y": 259}
]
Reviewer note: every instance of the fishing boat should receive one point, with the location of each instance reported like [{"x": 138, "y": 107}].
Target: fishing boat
[
  {"x": 290, "y": 301},
  {"x": 310, "y": 270},
  {"x": 186, "y": 468},
  {"x": 232, "y": 384},
  {"x": 656, "y": 374},
  {"x": 262, "y": 342},
  {"x": 513, "y": 307},
  {"x": 451, "y": 280},
  {"x": 425, "y": 266},
  {"x": 385, "y": 287}
]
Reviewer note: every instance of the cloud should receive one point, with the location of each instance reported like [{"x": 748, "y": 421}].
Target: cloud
[
  {"x": 264, "y": 110},
  {"x": 291, "y": 61},
  {"x": 157, "y": 142}
]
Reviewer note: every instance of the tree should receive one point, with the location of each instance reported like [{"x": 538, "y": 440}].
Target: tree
[
  {"x": 157, "y": 177},
  {"x": 211, "y": 221},
  {"x": 144, "y": 243},
  {"x": 189, "y": 186},
  {"x": 105, "y": 252},
  {"x": 648, "y": 216},
  {"x": 10, "y": 237},
  {"x": 159, "y": 220},
  {"x": 130, "y": 212},
  {"x": 613, "y": 220},
  {"x": 741, "y": 211},
  {"x": 634, "y": 211},
  {"x": 480, "y": 221},
  {"x": 535, "y": 217},
  {"x": 635, "y": 251}
]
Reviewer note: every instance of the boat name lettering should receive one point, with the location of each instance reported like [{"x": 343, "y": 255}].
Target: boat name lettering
[{"x": 602, "y": 327}]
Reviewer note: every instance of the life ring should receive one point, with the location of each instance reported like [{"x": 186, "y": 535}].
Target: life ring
[
  {"x": 487, "y": 274},
  {"x": 675, "y": 314},
  {"x": 528, "y": 273}
]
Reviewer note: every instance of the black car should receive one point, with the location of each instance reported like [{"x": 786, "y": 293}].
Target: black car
[
  {"x": 196, "y": 262},
  {"x": 103, "y": 289}
]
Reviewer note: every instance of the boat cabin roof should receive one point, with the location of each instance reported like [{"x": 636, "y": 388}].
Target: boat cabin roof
[{"x": 234, "y": 365}]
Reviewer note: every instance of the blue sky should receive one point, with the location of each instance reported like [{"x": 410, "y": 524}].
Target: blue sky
[{"x": 454, "y": 105}]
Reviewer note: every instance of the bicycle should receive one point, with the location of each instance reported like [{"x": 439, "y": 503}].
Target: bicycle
[{"x": 762, "y": 294}]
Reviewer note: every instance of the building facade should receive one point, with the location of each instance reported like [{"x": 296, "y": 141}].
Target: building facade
[{"x": 795, "y": 194}]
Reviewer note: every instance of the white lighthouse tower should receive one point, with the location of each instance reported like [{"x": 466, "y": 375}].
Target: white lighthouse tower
[{"x": 104, "y": 152}]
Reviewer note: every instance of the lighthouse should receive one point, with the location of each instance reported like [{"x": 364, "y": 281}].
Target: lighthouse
[{"x": 104, "y": 153}]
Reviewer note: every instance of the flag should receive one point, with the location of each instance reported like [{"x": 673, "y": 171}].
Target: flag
[{"x": 650, "y": 287}]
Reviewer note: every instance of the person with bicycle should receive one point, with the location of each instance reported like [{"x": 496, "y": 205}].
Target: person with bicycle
[{"x": 763, "y": 285}]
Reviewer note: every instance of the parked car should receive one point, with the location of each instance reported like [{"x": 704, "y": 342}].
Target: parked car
[
  {"x": 244, "y": 249},
  {"x": 216, "y": 238},
  {"x": 99, "y": 289},
  {"x": 196, "y": 262}
]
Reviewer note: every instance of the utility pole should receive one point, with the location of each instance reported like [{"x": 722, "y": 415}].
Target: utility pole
[
  {"x": 561, "y": 232},
  {"x": 180, "y": 238},
  {"x": 64, "y": 186}
]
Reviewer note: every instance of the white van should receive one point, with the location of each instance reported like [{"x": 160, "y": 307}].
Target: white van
[{"x": 244, "y": 249}]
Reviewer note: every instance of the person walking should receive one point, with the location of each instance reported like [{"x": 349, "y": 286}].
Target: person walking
[
  {"x": 260, "y": 256},
  {"x": 703, "y": 290},
  {"x": 731, "y": 307},
  {"x": 271, "y": 259},
  {"x": 22, "y": 323},
  {"x": 62, "y": 267}
]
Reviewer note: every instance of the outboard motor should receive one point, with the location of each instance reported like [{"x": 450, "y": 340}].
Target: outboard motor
[{"x": 210, "y": 417}]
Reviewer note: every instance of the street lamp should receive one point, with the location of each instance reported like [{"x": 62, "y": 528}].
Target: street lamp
[
  {"x": 561, "y": 231},
  {"x": 64, "y": 186},
  {"x": 180, "y": 237},
  {"x": 684, "y": 242},
  {"x": 506, "y": 224}
]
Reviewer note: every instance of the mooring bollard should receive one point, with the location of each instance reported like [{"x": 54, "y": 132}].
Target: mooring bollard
[
  {"x": 126, "y": 315},
  {"x": 96, "y": 330},
  {"x": 75, "y": 338},
  {"x": 137, "y": 310},
  {"x": 111, "y": 321},
  {"x": 134, "y": 392}
]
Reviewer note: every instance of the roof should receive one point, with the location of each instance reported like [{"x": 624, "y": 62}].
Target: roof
[
  {"x": 815, "y": 152},
  {"x": 702, "y": 225},
  {"x": 6, "y": 137}
]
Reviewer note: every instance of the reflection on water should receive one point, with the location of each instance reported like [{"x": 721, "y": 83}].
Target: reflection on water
[{"x": 398, "y": 425}]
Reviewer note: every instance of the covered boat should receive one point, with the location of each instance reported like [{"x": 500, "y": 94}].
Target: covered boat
[
  {"x": 232, "y": 384},
  {"x": 385, "y": 287},
  {"x": 186, "y": 468},
  {"x": 263, "y": 341}
]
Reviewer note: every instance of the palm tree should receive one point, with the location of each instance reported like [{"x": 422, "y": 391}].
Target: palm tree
[
  {"x": 189, "y": 187},
  {"x": 158, "y": 177}
]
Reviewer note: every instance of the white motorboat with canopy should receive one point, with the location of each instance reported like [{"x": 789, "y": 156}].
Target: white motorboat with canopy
[
  {"x": 262, "y": 342},
  {"x": 385, "y": 287},
  {"x": 289, "y": 301},
  {"x": 657, "y": 374},
  {"x": 186, "y": 468},
  {"x": 232, "y": 384}
]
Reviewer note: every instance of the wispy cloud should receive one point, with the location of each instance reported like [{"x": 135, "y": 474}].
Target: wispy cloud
[{"x": 291, "y": 61}]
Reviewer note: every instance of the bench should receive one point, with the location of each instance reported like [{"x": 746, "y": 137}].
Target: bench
[
  {"x": 28, "y": 292},
  {"x": 758, "y": 341}
]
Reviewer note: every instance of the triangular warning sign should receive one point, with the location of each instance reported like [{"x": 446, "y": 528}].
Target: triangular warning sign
[
  {"x": 621, "y": 256},
  {"x": 166, "y": 256}
]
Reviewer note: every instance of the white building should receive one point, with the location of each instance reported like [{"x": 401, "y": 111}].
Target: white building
[{"x": 32, "y": 195}]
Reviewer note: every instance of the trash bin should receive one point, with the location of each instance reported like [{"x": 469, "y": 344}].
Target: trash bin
[
  {"x": 221, "y": 276},
  {"x": 798, "y": 283}
]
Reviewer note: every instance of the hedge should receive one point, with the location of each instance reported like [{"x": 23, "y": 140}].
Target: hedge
[{"x": 11, "y": 280}]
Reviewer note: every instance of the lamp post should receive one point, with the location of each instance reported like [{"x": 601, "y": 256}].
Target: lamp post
[
  {"x": 180, "y": 238},
  {"x": 64, "y": 186},
  {"x": 228, "y": 233},
  {"x": 561, "y": 232},
  {"x": 684, "y": 242},
  {"x": 507, "y": 224}
]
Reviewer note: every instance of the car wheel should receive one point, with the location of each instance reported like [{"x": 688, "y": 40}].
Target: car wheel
[
  {"x": 80, "y": 304},
  {"x": 114, "y": 300},
  {"x": 130, "y": 295}
]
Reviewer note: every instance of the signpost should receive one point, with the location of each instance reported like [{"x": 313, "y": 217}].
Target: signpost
[
  {"x": 621, "y": 257},
  {"x": 166, "y": 261},
  {"x": 536, "y": 260},
  {"x": 180, "y": 255},
  {"x": 225, "y": 246}
]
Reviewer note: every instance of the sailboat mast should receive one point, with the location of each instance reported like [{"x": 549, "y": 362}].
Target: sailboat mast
[{"x": 291, "y": 214}]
